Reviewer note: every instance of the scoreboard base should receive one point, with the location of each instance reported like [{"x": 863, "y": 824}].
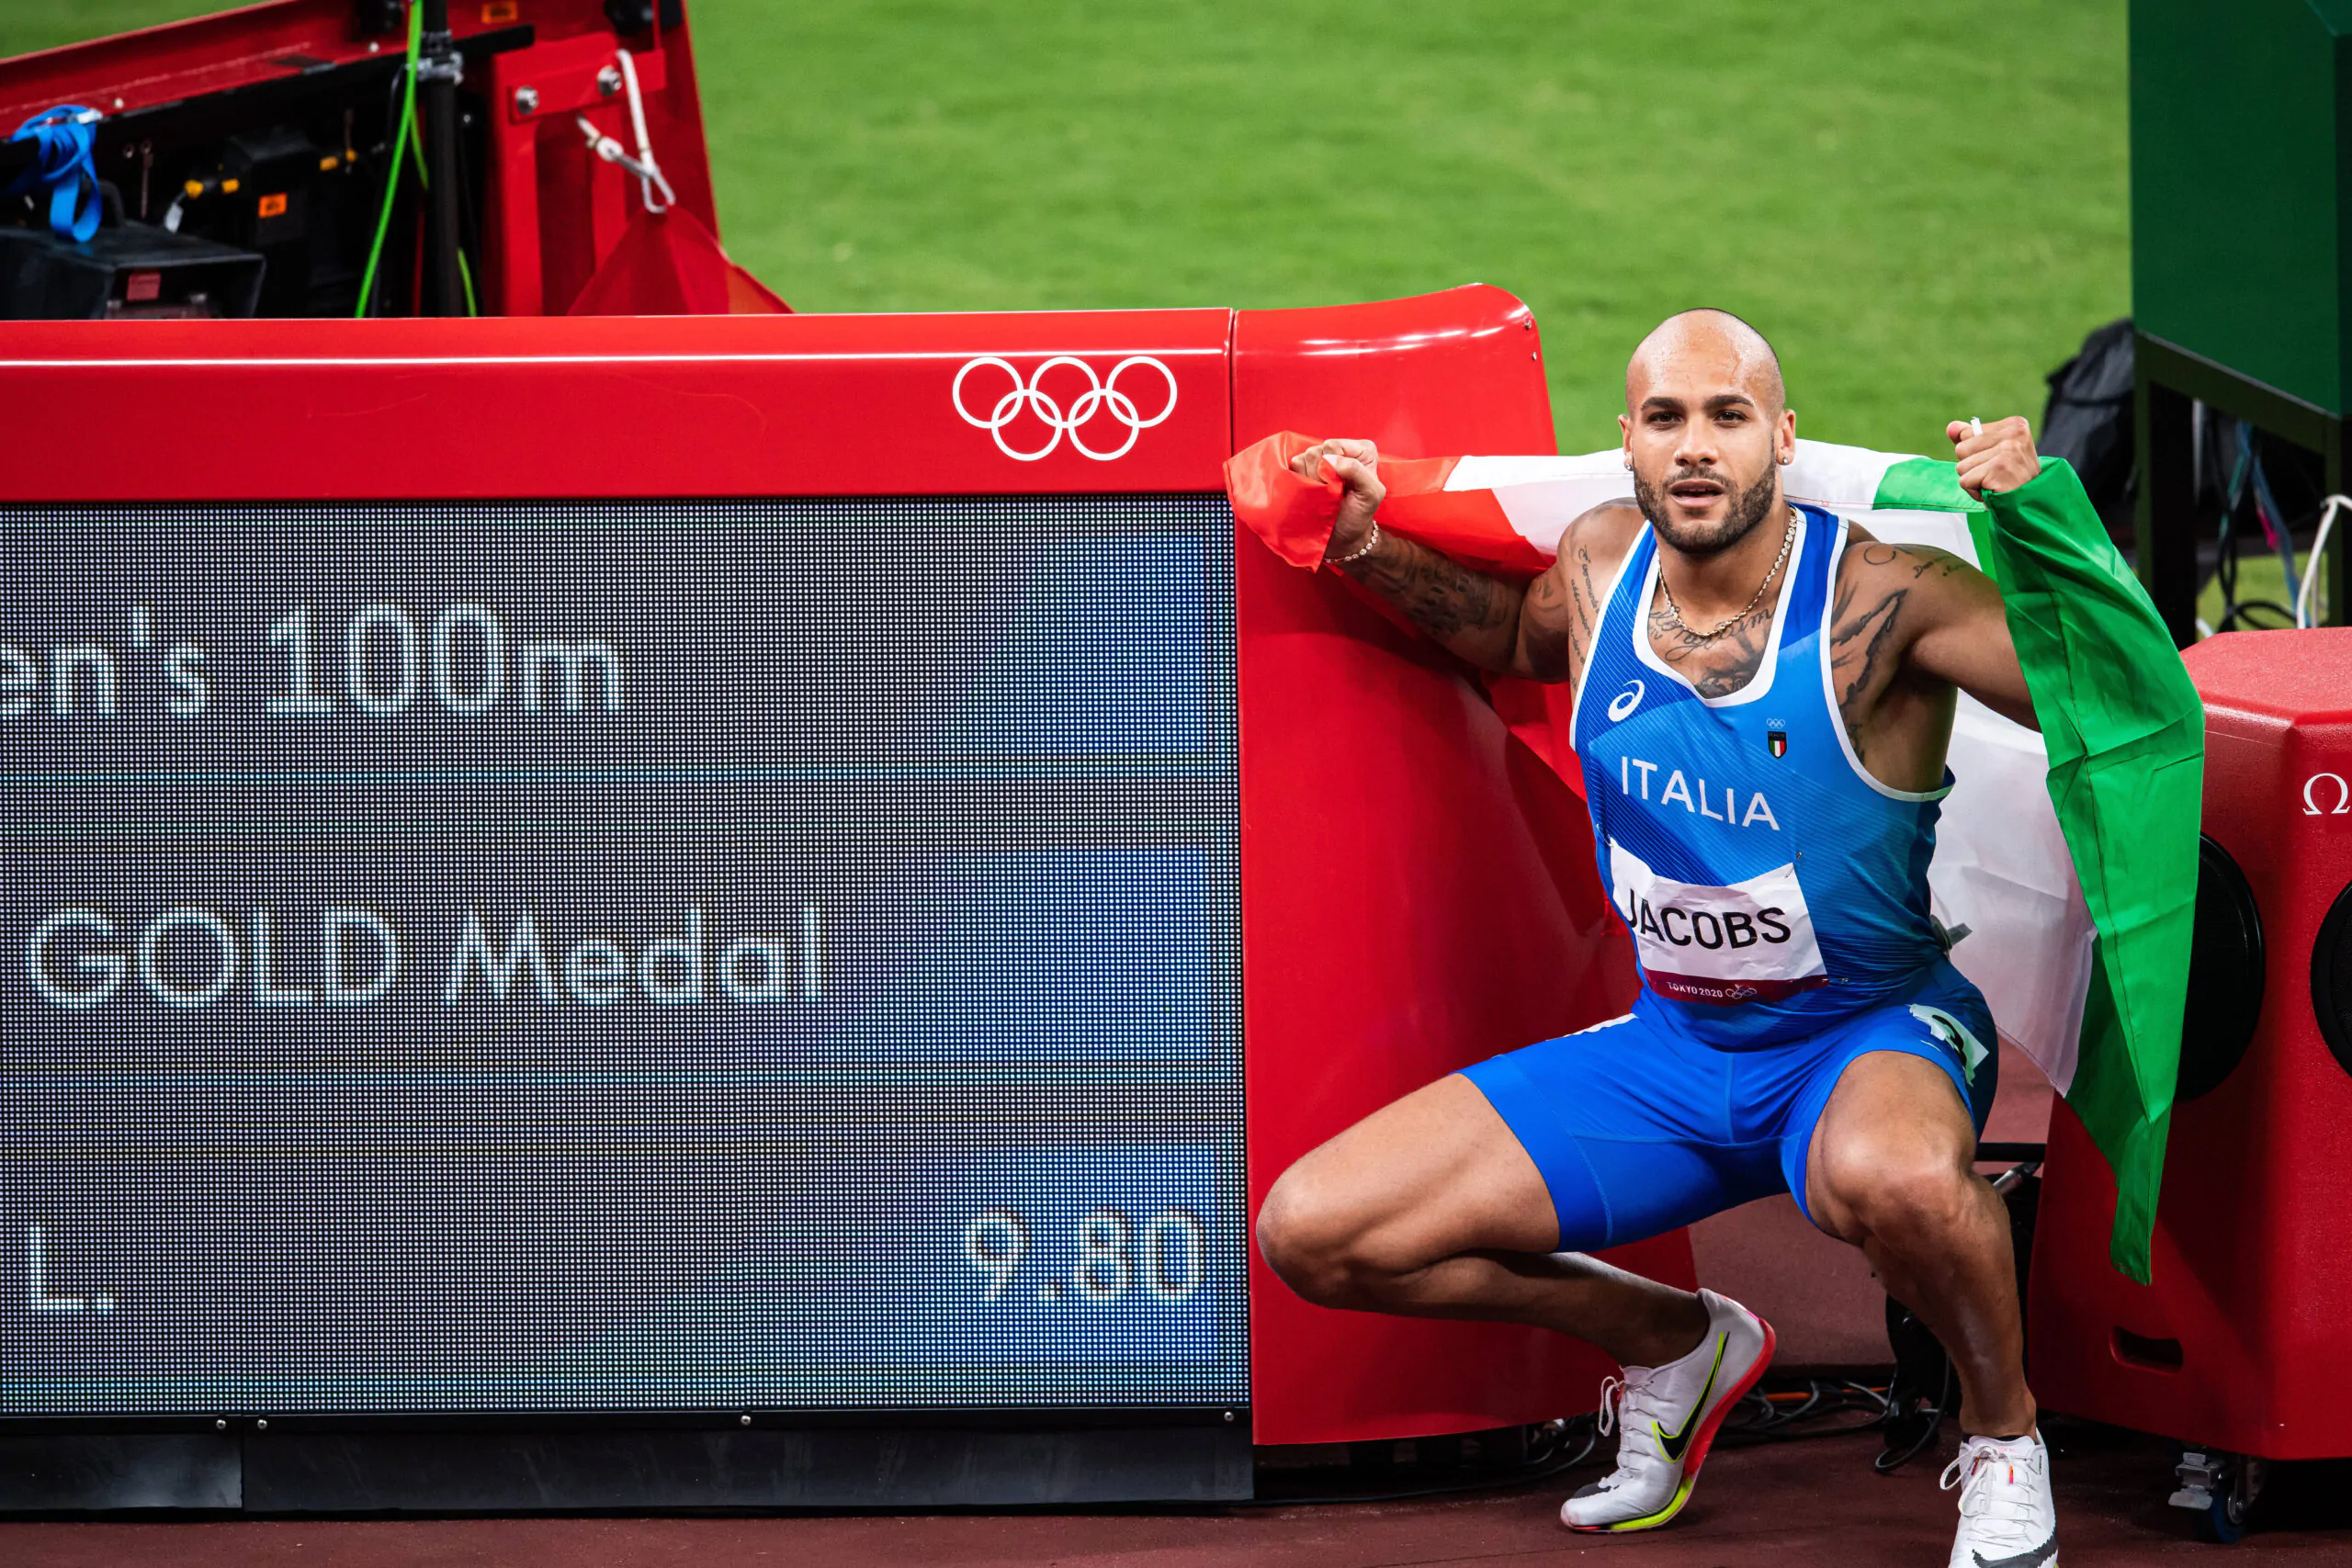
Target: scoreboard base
[{"x": 1195, "y": 1458}]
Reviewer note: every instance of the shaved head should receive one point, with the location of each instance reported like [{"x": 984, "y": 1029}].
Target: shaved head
[{"x": 1714, "y": 338}]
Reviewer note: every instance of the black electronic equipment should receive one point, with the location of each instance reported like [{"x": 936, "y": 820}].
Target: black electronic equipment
[
  {"x": 277, "y": 191},
  {"x": 289, "y": 168},
  {"x": 124, "y": 270},
  {"x": 629, "y": 16}
]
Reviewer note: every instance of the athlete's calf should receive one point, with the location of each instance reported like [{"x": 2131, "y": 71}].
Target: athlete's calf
[{"x": 1890, "y": 1171}]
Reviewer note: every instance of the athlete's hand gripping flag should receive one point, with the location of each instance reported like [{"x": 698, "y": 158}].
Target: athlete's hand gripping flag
[{"x": 2082, "y": 915}]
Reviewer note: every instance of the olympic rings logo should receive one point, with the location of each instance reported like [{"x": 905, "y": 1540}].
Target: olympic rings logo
[{"x": 1101, "y": 397}]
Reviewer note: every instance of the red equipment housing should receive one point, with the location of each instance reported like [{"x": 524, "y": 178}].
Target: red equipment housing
[
  {"x": 551, "y": 210},
  {"x": 1471, "y": 922},
  {"x": 2239, "y": 1342}
]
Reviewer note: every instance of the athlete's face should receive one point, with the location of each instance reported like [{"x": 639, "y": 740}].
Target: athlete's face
[{"x": 1705, "y": 438}]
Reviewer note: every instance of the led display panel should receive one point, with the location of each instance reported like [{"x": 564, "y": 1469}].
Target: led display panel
[{"x": 629, "y": 956}]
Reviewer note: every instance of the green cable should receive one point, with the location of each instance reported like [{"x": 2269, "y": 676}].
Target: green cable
[
  {"x": 409, "y": 140},
  {"x": 401, "y": 140}
]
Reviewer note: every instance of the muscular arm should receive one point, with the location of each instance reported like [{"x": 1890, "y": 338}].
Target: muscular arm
[
  {"x": 1472, "y": 615},
  {"x": 1539, "y": 633},
  {"x": 1965, "y": 640},
  {"x": 1911, "y": 619}
]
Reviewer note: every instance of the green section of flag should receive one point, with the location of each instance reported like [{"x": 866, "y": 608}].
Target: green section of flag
[
  {"x": 1922, "y": 484},
  {"x": 2125, "y": 731}
]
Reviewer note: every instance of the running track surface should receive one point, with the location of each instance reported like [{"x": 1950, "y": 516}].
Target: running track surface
[{"x": 1811, "y": 1503}]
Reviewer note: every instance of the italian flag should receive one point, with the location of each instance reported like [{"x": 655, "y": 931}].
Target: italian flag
[{"x": 2069, "y": 857}]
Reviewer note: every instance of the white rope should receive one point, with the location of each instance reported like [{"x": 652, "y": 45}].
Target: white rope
[
  {"x": 649, "y": 172},
  {"x": 2311, "y": 562},
  {"x": 644, "y": 142}
]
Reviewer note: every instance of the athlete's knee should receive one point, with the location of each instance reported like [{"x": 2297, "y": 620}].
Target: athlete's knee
[
  {"x": 1313, "y": 1239},
  {"x": 1895, "y": 1189}
]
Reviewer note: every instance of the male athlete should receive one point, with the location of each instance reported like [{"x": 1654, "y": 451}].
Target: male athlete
[{"x": 1763, "y": 698}]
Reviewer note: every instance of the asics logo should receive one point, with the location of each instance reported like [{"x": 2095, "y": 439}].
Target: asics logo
[
  {"x": 1625, "y": 700},
  {"x": 1673, "y": 1444},
  {"x": 1100, "y": 401}
]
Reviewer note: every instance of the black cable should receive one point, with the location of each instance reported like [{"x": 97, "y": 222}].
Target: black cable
[
  {"x": 1745, "y": 1440},
  {"x": 2225, "y": 557},
  {"x": 2225, "y": 567},
  {"x": 1888, "y": 1460},
  {"x": 2243, "y": 612}
]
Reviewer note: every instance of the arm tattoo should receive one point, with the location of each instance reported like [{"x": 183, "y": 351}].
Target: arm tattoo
[
  {"x": 1862, "y": 639},
  {"x": 1585, "y": 596},
  {"x": 1547, "y": 629},
  {"x": 1927, "y": 560},
  {"x": 1442, "y": 599}
]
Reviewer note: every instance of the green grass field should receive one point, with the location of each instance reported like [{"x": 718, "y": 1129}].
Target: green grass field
[{"x": 1925, "y": 207}]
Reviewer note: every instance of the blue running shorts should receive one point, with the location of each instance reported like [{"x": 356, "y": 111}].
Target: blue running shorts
[{"x": 1637, "y": 1128}]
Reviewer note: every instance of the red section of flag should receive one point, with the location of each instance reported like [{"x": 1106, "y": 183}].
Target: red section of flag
[
  {"x": 1291, "y": 514},
  {"x": 1467, "y": 525},
  {"x": 1294, "y": 515}
]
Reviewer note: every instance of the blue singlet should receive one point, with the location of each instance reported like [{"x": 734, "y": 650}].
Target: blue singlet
[
  {"x": 1778, "y": 897},
  {"x": 1771, "y": 883}
]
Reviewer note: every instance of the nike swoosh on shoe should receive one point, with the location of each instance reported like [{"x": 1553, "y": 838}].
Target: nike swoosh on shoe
[
  {"x": 1671, "y": 1444},
  {"x": 2033, "y": 1558}
]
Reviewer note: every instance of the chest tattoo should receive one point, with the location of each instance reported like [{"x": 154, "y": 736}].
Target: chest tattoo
[{"x": 1717, "y": 666}]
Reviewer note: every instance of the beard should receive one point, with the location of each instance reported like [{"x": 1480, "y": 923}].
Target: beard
[{"x": 1749, "y": 507}]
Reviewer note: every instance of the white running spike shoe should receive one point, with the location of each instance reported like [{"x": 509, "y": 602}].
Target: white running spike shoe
[
  {"x": 1666, "y": 1420},
  {"x": 2008, "y": 1518}
]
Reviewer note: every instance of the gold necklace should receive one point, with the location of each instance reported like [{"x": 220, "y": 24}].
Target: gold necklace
[{"x": 1788, "y": 533}]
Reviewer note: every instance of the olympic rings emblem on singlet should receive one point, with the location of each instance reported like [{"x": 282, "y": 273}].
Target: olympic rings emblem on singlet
[{"x": 1101, "y": 396}]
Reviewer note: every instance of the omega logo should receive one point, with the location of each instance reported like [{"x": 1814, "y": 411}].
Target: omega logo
[{"x": 2313, "y": 794}]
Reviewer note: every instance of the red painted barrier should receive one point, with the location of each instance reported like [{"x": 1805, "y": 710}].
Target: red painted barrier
[{"x": 1401, "y": 916}]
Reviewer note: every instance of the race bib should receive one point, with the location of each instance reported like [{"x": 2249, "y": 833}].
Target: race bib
[{"x": 1750, "y": 942}]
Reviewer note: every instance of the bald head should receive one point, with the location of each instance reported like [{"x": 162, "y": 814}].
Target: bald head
[{"x": 1707, "y": 345}]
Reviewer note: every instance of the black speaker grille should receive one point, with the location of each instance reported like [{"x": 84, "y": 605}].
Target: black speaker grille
[
  {"x": 2332, "y": 979},
  {"x": 2224, "y": 975}
]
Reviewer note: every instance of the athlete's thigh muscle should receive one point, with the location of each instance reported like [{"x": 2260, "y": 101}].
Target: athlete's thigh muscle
[
  {"x": 1894, "y": 1116},
  {"x": 1426, "y": 1177}
]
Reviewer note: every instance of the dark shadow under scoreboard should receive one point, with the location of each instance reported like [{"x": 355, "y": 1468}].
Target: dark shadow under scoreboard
[{"x": 697, "y": 957}]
